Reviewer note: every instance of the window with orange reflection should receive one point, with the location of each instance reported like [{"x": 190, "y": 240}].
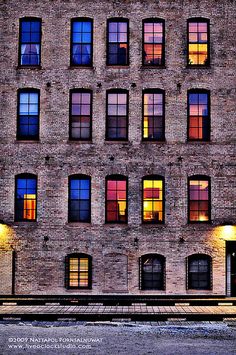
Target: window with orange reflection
[
  {"x": 198, "y": 42},
  {"x": 153, "y": 42},
  {"x": 153, "y": 115},
  {"x": 117, "y": 50},
  {"x": 78, "y": 271},
  {"x": 26, "y": 197},
  {"x": 198, "y": 115},
  {"x": 153, "y": 207},
  {"x": 199, "y": 201},
  {"x": 116, "y": 200}
]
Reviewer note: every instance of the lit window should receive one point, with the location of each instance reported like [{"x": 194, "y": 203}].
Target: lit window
[
  {"x": 153, "y": 115},
  {"x": 153, "y": 199},
  {"x": 199, "y": 201},
  {"x": 117, "y": 115},
  {"x": 28, "y": 114},
  {"x": 79, "y": 198},
  {"x": 153, "y": 42},
  {"x": 198, "y": 42},
  {"x": 26, "y": 197},
  {"x": 80, "y": 115},
  {"x": 30, "y": 42},
  {"x": 118, "y": 48},
  {"x": 81, "y": 42},
  {"x": 199, "y": 272},
  {"x": 78, "y": 271},
  {"x": 116, "y": 199},
  {"x": 152, "y": 271},
  {"x": 198, "y": 115}
]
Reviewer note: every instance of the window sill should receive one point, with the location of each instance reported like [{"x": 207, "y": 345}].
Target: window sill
[
  {"x": 145, "y": 67},
  {"x": 78, "y": 224},
  {"x": 75, "y": 141},
  {"x": 117, "y": 142},
  {"x": 153, "y": 142},
  {"x": 148, "y": 225},
  {"x": 25, "y": 224},
  {"x": 110, "y": 66},
  {"x": 91, "y": 67},
  {"x": 27, "y": 141},
  {"x": 198, "y": 67},
  {"x": 35, "y": 67},
  {"x": 197, "y": 142}
]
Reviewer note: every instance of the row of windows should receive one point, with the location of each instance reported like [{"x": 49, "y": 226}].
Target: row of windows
[
  {"x": 153, "y": 44},
  {"x": 80, "y": 112},
  {"x": 78, "y": 273},
  {"x": 116, "y": 208}
]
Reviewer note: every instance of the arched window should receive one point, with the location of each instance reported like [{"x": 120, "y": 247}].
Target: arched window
[
  {"x": 30, "y": 42},
  {"x": 153, "y": 199},
  {"x": 116, "y": 199},
  {"x": 118, "y": 41},
  {"x": 199, "y": 272},
  {"x": 198, "y": 42},
  {"x": 153, "y": 115},
  {"x": 152, "y": 272},
  {"x": 79, "y": 198},
  {"x": 26, "y": 197},
  {"x": 199, "y": 199},
  {"x": 153, "y": 42},
  {"x": 117, "y": 115},
  {"x": 78, "y": 273},
  {"x": 81, "y": 42}
]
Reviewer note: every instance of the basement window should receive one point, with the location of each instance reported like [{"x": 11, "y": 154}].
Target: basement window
[{"x": 78, "y": 273}]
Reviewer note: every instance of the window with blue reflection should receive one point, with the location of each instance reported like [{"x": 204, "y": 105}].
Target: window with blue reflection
[
  {"x": 26, "y": 197},
  {"x": 81, "y": 37},
  {"x": 198, "y": 115},
  {"x": 30, "y": 42},
  {"x": 79, "y": 198},
  {"x": 28, "y": 115}
]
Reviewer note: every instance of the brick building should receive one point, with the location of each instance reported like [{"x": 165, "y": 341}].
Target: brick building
[{"x": 117, "y": 165}]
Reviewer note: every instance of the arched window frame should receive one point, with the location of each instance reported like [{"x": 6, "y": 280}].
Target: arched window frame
[
  {"x": 116, "y": 177},
  {"x": 68, "y": 271},
  {"x": 21, "y": 211},
  {"x": 117, "y": 19},
  {"x": 160, "y": 178},
  {"x": 72, "y": 62},
  {"x": 79, "y": 177},
  {"x": 154, "y": 20},
  {"x": 162, "y": 260},
  {"x": 200, "y": 178},
  {"x": 199, "y": 20},
  {"x": 197, "y": 257}
]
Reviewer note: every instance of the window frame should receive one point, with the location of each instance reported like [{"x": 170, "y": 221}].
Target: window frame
[
  {"x": 118, "y": 91},
  {"x": 18, "y": 136},
  {"x": 80, "y": 19},
  {"x": 154, "y": 20},
  {"x": 209, "y": 272},
  {"x": 116, "y": 177},
  {"x": 117, "y": 19},
  {"x": 154, "y": 177},
  {"x": 199, "y": 91},
  {"x": 26, "y": 176},
  {"x": 154, "y": 91},
  {"x": 31, "y": 19},
  {"x": 67, "y": 271},
  {"x": 203, "y": 178},
  {"x": 199, "y": 20},
  {"x": 141, "y": 273},
  {"x": 79, "y": 177},
  {"x": 86, "y": 91}
]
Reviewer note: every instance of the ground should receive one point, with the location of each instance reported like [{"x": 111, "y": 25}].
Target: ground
[{"x": 105, "y": 338}]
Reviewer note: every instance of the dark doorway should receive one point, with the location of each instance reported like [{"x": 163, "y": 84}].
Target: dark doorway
[{"x": 231, "y": 268}]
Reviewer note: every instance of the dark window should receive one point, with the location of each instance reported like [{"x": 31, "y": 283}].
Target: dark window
[
  {"x": 153, "y": 115},
  {"x": 153, "y": 199},
  {"x": 152, "y": 272},
  {"x": 26, "y": 198},
  {"x": 153, "y": 42},
  {"x": 199, "y": 272},
  {"x": 198, "y": 115},
  {"x": 78, "y": 272},
  {"x": 30, "y": 42},
  {"x": 199, "y": 199},
  {"x": 79, "y": 198},
  {"x": 118, "y": 42},
  {"x": 28, "y": 114},
  {"x": 198, "y": 42},
  {"x": 116, "y": 199},
  {"x": 81, "y": 42},
  {"x": 80, "y": 114},
  {"x": 117, "y": 115}
]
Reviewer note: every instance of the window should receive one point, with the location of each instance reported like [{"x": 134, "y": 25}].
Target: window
[
  {"x": 198, "y": 115},
  {"x": 28, "y": 114},
  {"x": 117, "y": 115},
  {"x": 199, "y": 199},
  {"x": 153, "y": 42},
  {"x": 152, "y": 271},
  {"x": 80, "y": 114},
  {"x": 78, "y": 273},
  {"x": 153, "y": 115},
  {"x": 30, "y": 42},
  {"x": 81, "y": 42},
  {"x": 118, "y": 42},
  {"x": 198, "y": 42},
  {"x": 116, "y": 199},
  {"x": 199, "y": 272},
  {"x": 153, "y": 199},
  {"x": 79, "y": 198},
  {"x": 26, "y": 197}
]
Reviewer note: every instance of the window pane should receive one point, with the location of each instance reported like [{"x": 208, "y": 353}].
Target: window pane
[
  {"x": 117, "y": 43},
  {"x": 79, "y": 200},
  {"x": 30, "y": 42}
]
